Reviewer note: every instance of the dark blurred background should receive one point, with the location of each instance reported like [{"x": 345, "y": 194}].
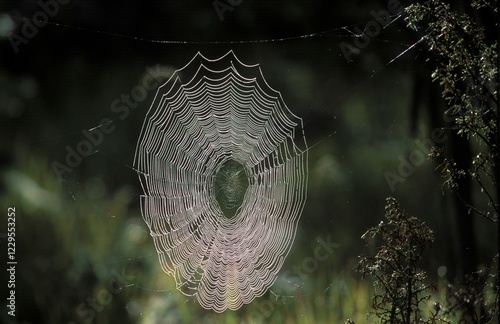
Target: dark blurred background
[{"x": 74, "y": 236}]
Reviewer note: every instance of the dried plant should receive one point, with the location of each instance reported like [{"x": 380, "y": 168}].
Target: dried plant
[
  {"x": 465, "y": 52},
  {"x": 401, "y": 288},
  {"x": 467, "y": 70}
]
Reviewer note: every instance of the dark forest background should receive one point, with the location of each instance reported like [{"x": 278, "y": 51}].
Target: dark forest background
[{"x": 361, "y": 117}]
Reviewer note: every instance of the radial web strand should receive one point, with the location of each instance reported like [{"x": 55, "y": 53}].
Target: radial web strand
[{"x": 223, "y": 165}]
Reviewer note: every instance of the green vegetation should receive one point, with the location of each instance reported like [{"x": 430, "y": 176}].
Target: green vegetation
[
  {"x": 467, "y": 70},
  {"x": 466, "y": 67}
]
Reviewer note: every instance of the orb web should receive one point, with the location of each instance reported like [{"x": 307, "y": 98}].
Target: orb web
[
  {"x": 223, "y": 165},
  {"x": 230, "y": 184}
]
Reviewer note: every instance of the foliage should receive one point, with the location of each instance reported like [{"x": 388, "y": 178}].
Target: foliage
[
  {"x": 477, "y": 301},
  {"x": 467, "y": 71},
  {"x": 401, "y": 290}
]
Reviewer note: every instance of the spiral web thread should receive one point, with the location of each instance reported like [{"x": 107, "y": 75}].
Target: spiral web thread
[{"x": 208, "y": 113}]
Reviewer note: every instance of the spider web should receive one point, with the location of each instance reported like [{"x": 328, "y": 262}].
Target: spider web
[
  {"x": 176, "y": 183},
  {"x": 221, "y": 111}
]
